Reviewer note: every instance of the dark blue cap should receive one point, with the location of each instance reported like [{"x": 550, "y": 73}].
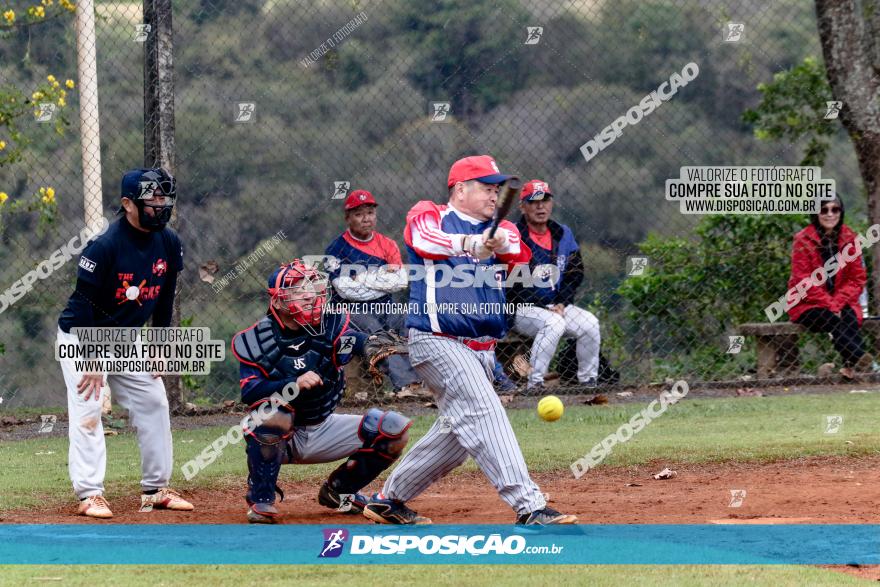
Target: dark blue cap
[{"x": 135, "y": 181}]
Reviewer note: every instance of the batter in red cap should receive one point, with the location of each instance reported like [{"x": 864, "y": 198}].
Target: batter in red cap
[{"x": 479, "y": 167}]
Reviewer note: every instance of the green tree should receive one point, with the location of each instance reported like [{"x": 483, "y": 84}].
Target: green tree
[
  {"x": 47, "y": 98},
  {"x": 461, "y": 50},
  {"x": 793, "y": 107},
  {"x": 698, "y": 288},
  {"x": 848, "y": 31}
]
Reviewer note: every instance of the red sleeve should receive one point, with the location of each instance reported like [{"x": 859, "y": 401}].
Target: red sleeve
[
  {"x": 395, "y": 255},
  {"x": 525, "y": 253},
  {"x": 422, "y": 207},
  {"x": 524, "y": 256},
  {"x": 849, "y": 283},
  {"x": 434, "y": 236},
  {"x": 803, "y": 262},
  {"x": 391, "y": 251}
]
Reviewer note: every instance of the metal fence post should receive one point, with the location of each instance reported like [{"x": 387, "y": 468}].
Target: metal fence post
[{"x": 159, "y": 127}]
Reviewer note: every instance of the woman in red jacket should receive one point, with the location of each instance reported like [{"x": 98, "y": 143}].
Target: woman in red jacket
[{"x": 833, "y": 306}]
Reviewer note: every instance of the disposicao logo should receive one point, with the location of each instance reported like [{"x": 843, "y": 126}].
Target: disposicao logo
[{"x": 334, "y": 540}]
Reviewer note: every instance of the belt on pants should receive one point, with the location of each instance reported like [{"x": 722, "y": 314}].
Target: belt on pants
[{"x": 471, "y": 343}]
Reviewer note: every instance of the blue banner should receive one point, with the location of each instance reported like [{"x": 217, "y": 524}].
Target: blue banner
[{"x": 439, "y": 544}]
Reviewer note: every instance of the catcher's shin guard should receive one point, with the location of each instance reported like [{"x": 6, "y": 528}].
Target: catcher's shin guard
[
  {"x": 266, "y": 448},
  {"x": 385, "y": 435}
]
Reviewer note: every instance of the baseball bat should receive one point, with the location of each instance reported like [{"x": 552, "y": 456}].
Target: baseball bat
[{"x": 507, "y": 195}]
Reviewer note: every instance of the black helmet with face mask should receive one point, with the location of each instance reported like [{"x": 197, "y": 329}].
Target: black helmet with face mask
[{"x": 143, "y": 185}]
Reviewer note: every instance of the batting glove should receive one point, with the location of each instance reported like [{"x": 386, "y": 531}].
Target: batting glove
[
  {"x": 502, "y": 235},
  {"x": 472, "y": 244}
]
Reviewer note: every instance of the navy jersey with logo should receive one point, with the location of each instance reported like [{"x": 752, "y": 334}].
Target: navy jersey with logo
[
  {"x": 436, "y": 298},
  {"x": 124, "y": 277},
  {"x": 565, "y": 254}
]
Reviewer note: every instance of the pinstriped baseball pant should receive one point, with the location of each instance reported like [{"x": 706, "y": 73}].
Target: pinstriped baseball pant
[{"x": 472, "y": 423}]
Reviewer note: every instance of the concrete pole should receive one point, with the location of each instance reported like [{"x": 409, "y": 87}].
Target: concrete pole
[{"x": 90, "y": 132}]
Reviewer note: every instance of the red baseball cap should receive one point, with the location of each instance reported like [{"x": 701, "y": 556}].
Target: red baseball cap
[
  {"x": 480, "y": 167},
  {"x": 359, "y": 198},
  {"x": 535, "y": 190}
]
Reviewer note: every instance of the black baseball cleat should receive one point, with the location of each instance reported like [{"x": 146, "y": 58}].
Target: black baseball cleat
[
  {"x": 350, "y": 503},
  {"x": 391, "y": 511},
  {"x": 262, "y": 513},
  {"x": 545, "y": 517}
]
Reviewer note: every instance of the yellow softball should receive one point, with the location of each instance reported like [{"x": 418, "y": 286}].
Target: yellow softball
[{"x": 550, "y": 408}]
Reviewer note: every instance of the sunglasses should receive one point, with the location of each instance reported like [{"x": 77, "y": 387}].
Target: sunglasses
[{"x": 831, "y": 210}]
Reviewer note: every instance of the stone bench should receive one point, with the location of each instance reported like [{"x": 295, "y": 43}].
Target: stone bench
[{"x": 777, "y": 345}]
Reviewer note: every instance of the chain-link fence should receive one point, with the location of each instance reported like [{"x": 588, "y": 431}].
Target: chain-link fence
[{"x": 282, "y": 108}]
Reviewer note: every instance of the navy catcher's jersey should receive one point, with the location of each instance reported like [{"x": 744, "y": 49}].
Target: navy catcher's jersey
[{"x": 272, "y": 356}]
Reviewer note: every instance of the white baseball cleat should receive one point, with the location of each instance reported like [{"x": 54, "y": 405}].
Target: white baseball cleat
[
  {"x": 166, "y": 499},
  {"x": 95, "y": 506}
]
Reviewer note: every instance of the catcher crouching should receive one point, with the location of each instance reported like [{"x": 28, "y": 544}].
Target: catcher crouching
[{"x": 297, "y": 342}]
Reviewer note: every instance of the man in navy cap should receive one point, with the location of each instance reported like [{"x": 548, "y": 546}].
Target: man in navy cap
[{"x": 125, "y": 277}]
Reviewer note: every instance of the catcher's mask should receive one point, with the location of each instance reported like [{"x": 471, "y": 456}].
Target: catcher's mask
[
  {"x": 151, "y": 188},
  {"x": 301, "y": 292}
]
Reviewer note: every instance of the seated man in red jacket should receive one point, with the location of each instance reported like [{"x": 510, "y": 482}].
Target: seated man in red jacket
[{"x": 833, "y": 306}]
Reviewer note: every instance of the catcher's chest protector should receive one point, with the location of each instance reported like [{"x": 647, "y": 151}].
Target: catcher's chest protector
[{"x": 282, "y": 357}]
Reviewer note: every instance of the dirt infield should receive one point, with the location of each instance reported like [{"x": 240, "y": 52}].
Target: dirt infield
[
  {"x": 812, "y": 491},
  {"x": 806, "y": 491}
]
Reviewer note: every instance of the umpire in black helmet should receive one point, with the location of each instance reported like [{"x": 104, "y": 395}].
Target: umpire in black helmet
[{"x": 125, "y": 277}]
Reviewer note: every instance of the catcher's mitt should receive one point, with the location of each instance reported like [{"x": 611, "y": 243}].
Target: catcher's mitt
[{"x": 380, "y": 346}]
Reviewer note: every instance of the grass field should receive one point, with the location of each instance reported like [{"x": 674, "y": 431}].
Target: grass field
[
  {"x": 405, "y": 576},
  {"x": 698, "y": 430}
]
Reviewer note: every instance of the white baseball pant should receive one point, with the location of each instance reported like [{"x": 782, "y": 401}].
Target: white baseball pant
[
  {"x": 335, "y": 438},
  {"x": 548, "y": 328},
  {"x": 147, "y": 403}
]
